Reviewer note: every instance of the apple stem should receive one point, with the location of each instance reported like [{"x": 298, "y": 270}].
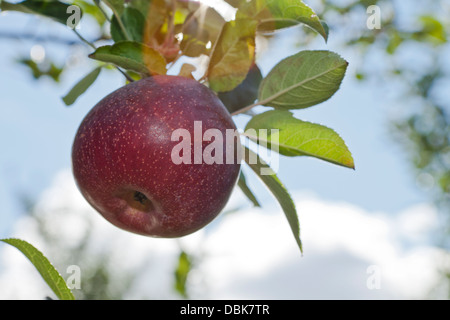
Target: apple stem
[{"x": 125, "y": 75}]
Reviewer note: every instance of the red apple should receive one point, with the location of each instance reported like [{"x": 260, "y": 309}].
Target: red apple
[{"x": 123, "y": 163}]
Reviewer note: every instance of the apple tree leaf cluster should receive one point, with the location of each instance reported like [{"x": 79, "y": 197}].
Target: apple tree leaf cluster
[{"x": 149, "y": 38}]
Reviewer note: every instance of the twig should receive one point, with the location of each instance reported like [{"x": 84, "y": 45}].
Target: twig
[
  {"x": 247, "y": 108},
  {"x": 125, "y": 74},
  {"x": 97, "y": 3},
  {"x": 84, "y": 40}
]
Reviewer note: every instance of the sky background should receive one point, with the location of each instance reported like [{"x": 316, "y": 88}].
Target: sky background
[{"x": 355, "y": 212}]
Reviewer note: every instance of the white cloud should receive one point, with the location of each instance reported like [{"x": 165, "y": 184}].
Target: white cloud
[{"x": 250, "y": 254}]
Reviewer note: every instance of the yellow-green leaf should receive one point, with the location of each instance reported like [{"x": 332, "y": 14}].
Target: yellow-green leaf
[
  {"x": 48, "y": 272},
  {"x": 181, "y": 273},
  {"x": 294, "y": 137},
  {"x": 233, "y": 55}
]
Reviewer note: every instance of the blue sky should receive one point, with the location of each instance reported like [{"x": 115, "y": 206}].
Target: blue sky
[{"x": 36, "y": 129}]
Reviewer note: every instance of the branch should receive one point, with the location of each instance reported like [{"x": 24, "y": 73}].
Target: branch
[
  {"x": 247, "y": 108},
  {"x": 90, "y": 44}
]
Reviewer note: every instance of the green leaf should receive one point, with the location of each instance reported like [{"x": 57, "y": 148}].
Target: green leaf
[
  {"x": 295, "y": 137},
  {"x": 117, "y": 6},
  {"x": 134, "y": 23},
  {"x": 44, "y": 267},
  {"x": 132, "y": 56},
  {"x": 233, "y": 55},
  {"x": 244, "y": 94},
  {"x": 242, "y": 183},
  {"x": 277, "y": 189},
  {"x": 278, "y": 14},
  {"x": 141, "y": 5},
  {"x": 303, "y": 80},
  {"x": 181, "y": 273},
  {"x": 54, "y": 10},
  {"x": 81, "y": 87}
]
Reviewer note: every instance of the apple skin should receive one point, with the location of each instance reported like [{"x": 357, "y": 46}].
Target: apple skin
[{"x": 121, "y": 158}]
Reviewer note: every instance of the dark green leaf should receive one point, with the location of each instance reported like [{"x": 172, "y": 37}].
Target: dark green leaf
[
  {"x": 134, "y": 23},
  {"x": 275, "y": 186},
  {"x": 303, "y": 80},
  {"x": 81, "y": 87},
  {"x": 244, "y": 94},
  {"x": 242, "y": 183},
  {"x": 132, "y": 56},
  {"x": 294, "y": 137},
  {"x": 277, "y": 14},
  {"x": 51, "y": 9},
  {"x": 44, "y": 267},
  {"x": 141, "y": 5},
  {"x": 233, "y": 55}
]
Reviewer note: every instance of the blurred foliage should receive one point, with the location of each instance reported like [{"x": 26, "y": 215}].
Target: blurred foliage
[
  {"x": 39, "y": 70},
  {"x": 414, "y": 60},
  {"x": 181, "y": 274},
  {"x": 422, "y": 124},
  {"x": 100, "y": 278}
]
